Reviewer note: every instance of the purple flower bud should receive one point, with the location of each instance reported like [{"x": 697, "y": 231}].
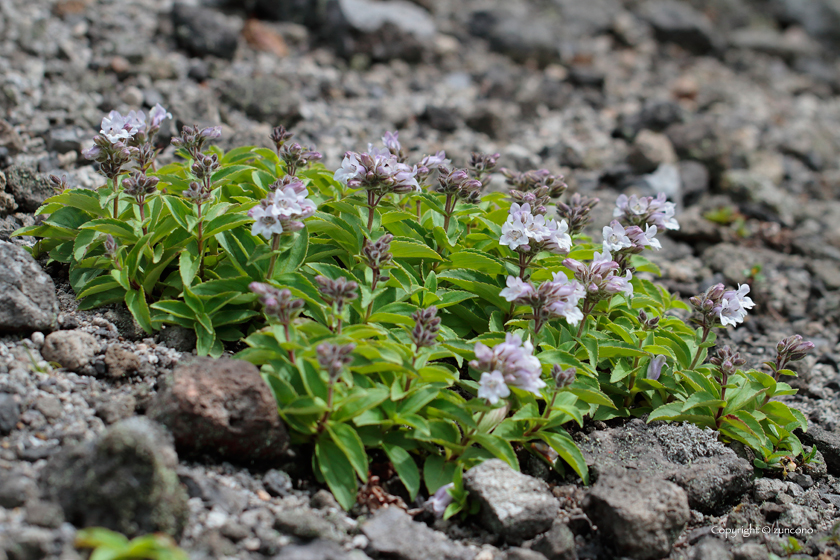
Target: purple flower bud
[{"x": 655, "y": 367}]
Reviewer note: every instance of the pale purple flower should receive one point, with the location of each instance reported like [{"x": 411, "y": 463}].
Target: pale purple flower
[
  {"x": 157, "y": 115},
  {"x": 642, "y": 239},
  {"x": 435, "y": 161},
  {"x": 492, "y": 387},
  {"x": 211, "y": 132},
  {"x": 616, "y": 284},
  {"x": 734, "y": 305},
  {"x": 116, "y": 127},
  {"x": 440, "y": 500},
  {"x": 516, "y": 288},
  {"x": 514, "y": 234},
  {"x": 635, "y": 210},
  {"x": 286, "y": 202},
  {"x": 267, "y": 221},
  {"x": 392, "y": 142},
  {"x": 514, "y": 359},
  {"x": 558, "y": 240},
  {"x": 350, "y": 168},
  {"x": 536, "y": 229},
  {"x": 654, "y": 369},
  {"x": 615, "y": 237}
]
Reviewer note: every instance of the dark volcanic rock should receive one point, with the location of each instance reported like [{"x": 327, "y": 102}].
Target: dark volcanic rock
[
  {"x": 125, "y": 481},
  {"x": 27, "y": 294},
  {"x": 394, "y": 535},
  {"x": 514, "y": 506},
  {"x": 29, "y": 188},
  {"x": 203, "y": 31},
  {"x": 712, "y": 476},
  {"x": 677, "y": 22},
  {"x": 637, "y": 516},
  {"x": 515, "y": 32},
  {"x": 9, "y": 413},
  {"x": 828, "y": 444},
  {"x": 221, "y": 407},
  {"x": 263, "y": 98},
  {"x": 558, "y": 543}
]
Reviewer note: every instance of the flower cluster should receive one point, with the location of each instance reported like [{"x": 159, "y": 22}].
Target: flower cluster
[
  {"x": 728, "y": 307},
  {"x": 277, "y": 303},
  {"x": 337, "y": 292},
  {"x": 636, "y": 210},
  {"x": 457, "y": 183},
  {"x": 791, "y": 349},
  {"x": 600, "y": 279},
  {"x": 577, "y": 213},
  {"x": 333, "y": 357},
  {"x": 563, "y": 377},
  {"x": 727, "y": 362},
  {"x": 296, "y": 156},
  {"x": 426, "y": 327},
  {"x": 192, "y": 138},
  {"x": 483, "y": 164},
  {"x": 139, "y": 185},
  {"x": 556, "y": 298},
  {"x": 534, "y": 187},
  {"x": 630, "y": 239},
  {"x": 282, "y": 211},
  {"x": 377, "y": 255},
  {"x": 429, "y": 164},
  {"x": 377, "y": 171},
  {"x": 509, "y": 364},
  {"x": 527, "y": 233}
]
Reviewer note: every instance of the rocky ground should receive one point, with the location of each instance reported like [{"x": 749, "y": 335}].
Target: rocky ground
[{"x": 729, "y": 106}]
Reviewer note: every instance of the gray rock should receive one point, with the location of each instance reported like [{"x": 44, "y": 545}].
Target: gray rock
[
  {"x": 203, "y": 31},
  {"x": 514, "y": 31},
  {"x": 513, "y": 505},
  {"x": 637, "y": 516},
  {"x": 710, "y": 473},
  {"x": 749, "y": 186},
  {"x": 44, "y": 514},
  {"x": 828, "y": 444},
  {"x": 394, "y": 535},
  {"x": 441, "y": 118},
  {"x": 49, "y": 406},
  {"x": 316, "y": 550},
  {"x": 517, "y": 553},
  {"x": 125, "y": 481},
  {"x": 381, "y": 30},
  {"x": 649, "y": 151},
  {"x": 29, "y": 188},
  {"x": 27, "y": 294},
  {"x": 323, "y": 499},
  {"x": 263, "y": 98},
  {"x": 67, "y": 139},
  {"x": 766, "y": 489},
  {"x": 16, "y": 489},
  {"x": 710, "y": 548},
  {"x": 178, "y": 338},
  {"x": 558, "y": 543},
  {"x": 121, "y": 362},
  {"x": 116, "y": 407},
  {"x": 677, "y": 22},
  {"x": 655, "y": 116},
  {"x": 213, "y": 492},
  {"x": 222, "y": 407},
  {"x": 694, "y": 178},
  {"x": 30, "y": 543},
  {"x": 820, "y": 18},
  {"x": 9, "y": 139},
  {"x": 9, "y": 413},
  {"x": 73, "y": 350},
  {"x": 278, "y": 483},
  {"x": 750, "y": 551},
  {"x": 304, "y": 524}
]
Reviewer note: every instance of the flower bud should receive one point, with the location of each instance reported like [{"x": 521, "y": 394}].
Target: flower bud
[{"x": 563, "y": 377}]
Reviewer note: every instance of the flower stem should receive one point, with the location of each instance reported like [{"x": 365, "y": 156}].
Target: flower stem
[
  {"x": 288, "y": 339},
  {"x": 200, "y": 242},
  {"x": 706, "y": 331},
  {"x": 371, "y": 209},
  {"x": 141, "y": 203},
  {"x": 275, "y": 244},
  {"x": 447, "y": 212},
  {"x": 472, "y": 431},
  {"x": 116, "y": 199}
]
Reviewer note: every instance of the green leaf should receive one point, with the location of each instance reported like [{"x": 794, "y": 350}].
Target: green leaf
[
  {"x": 406, "y": 468},
  {"x": 346, "y": 438},
  {"x": 224, "y": 223},
  {"x": 437, "y": 472},
  {"x": 291, "y": 260},
  {"x": 407, "y": 248},
  {"x": 135, "y": 300},
  {"x": 565, "y": 446},
  {"x": 337, "y": 471},
  {"x": 473, "y": 259},
  {"x": 189, "y": 263},
  {"x": 118, "y": 228},
  {"x": 499, "y": 447}
]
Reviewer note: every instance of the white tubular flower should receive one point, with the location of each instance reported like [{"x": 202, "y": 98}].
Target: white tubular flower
[
  {"x": 492, "y": 387},
  {"x": 350, "y": 168},
  {"x": 514, "y": 234},
  {"x": 267, "y": 221},
  {"x": 115, "y": 127},
  {"x": 650, "y": 232},
  {"x": 516, "y": 288},
  {"x": 286, "y": 202},
  {"x": 734, "y": 305},
  {"x": 615, "y": 237}
]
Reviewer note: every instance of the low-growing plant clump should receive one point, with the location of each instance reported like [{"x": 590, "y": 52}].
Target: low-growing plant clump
[{"x": 400, "y": 308}]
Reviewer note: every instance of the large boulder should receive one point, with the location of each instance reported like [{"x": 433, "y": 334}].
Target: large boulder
[
  {"x": 27, "y": 294},
  {"x": 221, "y": 408},
  {"x": 637, "y": 515},
  {"x": 125, "y": 481},
  {"x": 393, "y": 534},
  {"x": 29, "y": 187},
  {"x": 710, "y": 473},
  {"x": 514, "y": 506}
]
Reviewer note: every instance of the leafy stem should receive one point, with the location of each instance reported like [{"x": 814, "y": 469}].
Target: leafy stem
[
  {"x": 275, "y": 245},
  {"x": 706, "y": 331}
]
